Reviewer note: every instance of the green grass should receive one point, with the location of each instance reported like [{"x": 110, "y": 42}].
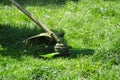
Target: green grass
[{"x": 92, "y": 30}]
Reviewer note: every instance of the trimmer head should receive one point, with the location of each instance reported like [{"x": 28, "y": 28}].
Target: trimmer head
[
  {"x": 46, "y": 38},
  {"x": 62, "y": 49}
]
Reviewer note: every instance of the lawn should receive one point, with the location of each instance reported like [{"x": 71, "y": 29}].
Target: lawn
[{"x": 92, "y": 30}]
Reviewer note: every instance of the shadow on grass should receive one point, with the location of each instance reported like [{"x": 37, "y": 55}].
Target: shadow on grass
[
  {"x": 74, "y": 53},
  {"x": 37, "y": 2},
  {"x": 12, "y": 41}
]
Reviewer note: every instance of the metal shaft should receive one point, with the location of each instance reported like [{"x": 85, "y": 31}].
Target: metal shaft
[{"x": 36, "y": 21}]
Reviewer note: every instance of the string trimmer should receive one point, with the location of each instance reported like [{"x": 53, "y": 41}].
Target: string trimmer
[{"x": 49, "y": 37}]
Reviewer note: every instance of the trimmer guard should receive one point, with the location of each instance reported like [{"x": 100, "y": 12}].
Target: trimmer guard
[{"x": 43, "y": 38}]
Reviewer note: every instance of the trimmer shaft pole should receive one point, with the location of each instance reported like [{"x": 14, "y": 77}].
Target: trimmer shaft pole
[{"x": 56, "y": 38}]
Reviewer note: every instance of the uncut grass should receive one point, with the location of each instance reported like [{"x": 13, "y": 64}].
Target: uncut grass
[{"x": 88, "y": 25}]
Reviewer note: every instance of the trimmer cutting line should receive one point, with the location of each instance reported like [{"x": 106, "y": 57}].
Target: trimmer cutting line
[{"x": 49, "y": 37}]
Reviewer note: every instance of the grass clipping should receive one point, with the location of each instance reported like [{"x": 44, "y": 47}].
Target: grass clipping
[{"x": 50, "y": 55}]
